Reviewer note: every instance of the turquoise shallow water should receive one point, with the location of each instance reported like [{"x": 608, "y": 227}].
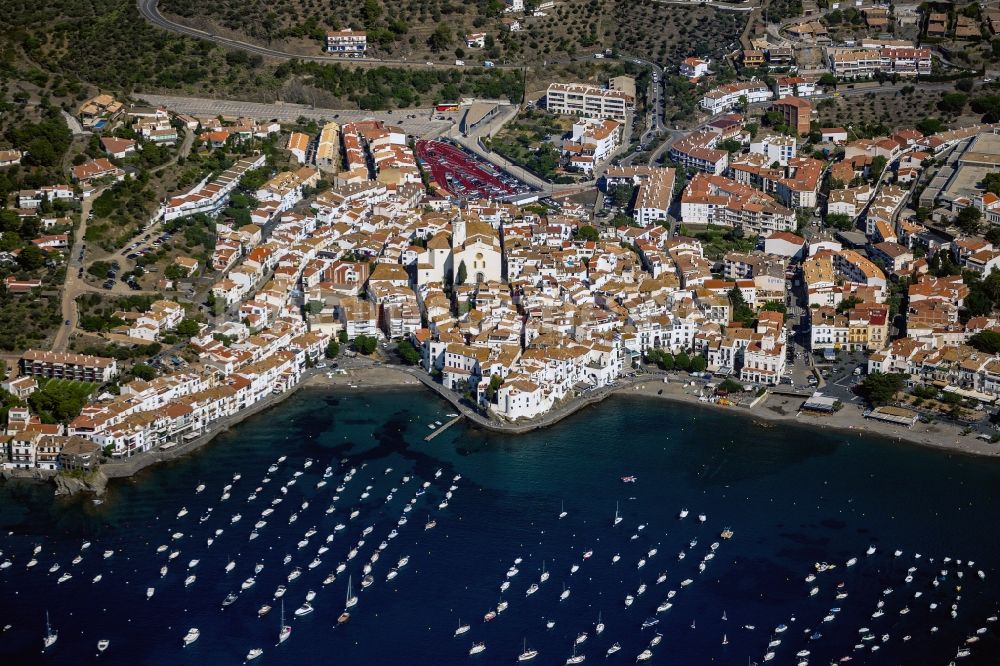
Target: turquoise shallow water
[{"x": 792, "y": 496}]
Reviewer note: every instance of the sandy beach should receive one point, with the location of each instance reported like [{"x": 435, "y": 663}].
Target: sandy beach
[
  {"x": 371, "y": 377},
  {"x": 849, "y": 420}
]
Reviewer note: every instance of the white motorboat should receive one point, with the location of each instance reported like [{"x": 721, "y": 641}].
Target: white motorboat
[
  {"x": 645, "y": 655},
  {"x": 248, "y": 583},
  {"x": 192, "y": 635},
  {"x": 683, "y": 513},
  {"x": 870, "y": 551},
  {"x": 280, "y": 592},
  {"x": 183, "y": 512},
  {"x": 230, "y": 566},
  {"x": 108, "y": 553},
  {"x": 189, "y": 580},
  {"x": 97, "y": 578},
  {"x": 614, "y": 648},
  {"x": 295, "y": 573},
  {"x": 477, "y": 648},
  {"x": 150, "y": 591},
  {"x": 193, "y": 563},
  {"x": 702, "y": 517},
  {"x": 254, "y": 653},
  {"x": 303, "y": 610},
  {"x": 103, "y": 645}
]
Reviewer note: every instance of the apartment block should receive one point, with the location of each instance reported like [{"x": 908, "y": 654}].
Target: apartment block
[
  {"x": 59, "y": 365},
  {"x": 579, "y": 99}
]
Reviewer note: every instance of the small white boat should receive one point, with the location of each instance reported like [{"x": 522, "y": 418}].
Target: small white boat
[
  {"x": 230, "y": 566},
  {"x": 150, "y": 591},
  {"x": 280, "y": 592},
  {"x": 189, "y": 580},
  {"x": 614, "y": 648},
  {"x": 97, "y": 578},
  {"x": 683, "y": 513},
  {"x": 192, "y": 635},
  {"x": 565, "y": 594},
  {"x": 183, "y": 512},
  {"x": 462, "y": 628},
  {"x": 303, "y": 610},
  {"x": 477, "y": 648},
  {"x": 254, "y": 653},
  {"x": 65, "y": 577},
  {"x": 108, "y": 553},
  {"x": 870, "y": 551}
]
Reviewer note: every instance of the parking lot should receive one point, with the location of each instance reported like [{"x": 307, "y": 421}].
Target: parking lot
[
  {"x": 415, "y": 122},
  {"x": 464, "y": 174}
]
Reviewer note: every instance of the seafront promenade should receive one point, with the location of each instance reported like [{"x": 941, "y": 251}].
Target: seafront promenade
[{"x": 363, "y": 374}]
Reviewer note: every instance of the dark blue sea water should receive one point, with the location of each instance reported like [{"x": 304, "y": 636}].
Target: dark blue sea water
[{"x": 793, "y": 497}]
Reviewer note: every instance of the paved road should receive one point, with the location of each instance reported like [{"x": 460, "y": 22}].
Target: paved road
[
  {"x": 422, "y": 125},
  {"x": 150, "y": 12},
  {"x": 74, "y": 286}
]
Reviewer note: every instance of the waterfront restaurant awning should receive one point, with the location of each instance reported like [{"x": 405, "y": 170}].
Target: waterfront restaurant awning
[
  {"x": 896, "y": 415},
  {"x": 967, "y": 393},
  {"x": 818, "y": 402}
]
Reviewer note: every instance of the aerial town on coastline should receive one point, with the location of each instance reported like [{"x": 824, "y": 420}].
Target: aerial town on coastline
[{"x": 190, "y": 262}]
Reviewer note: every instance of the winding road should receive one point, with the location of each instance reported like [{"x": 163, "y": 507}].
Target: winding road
[{"x": 150, "y": 12}]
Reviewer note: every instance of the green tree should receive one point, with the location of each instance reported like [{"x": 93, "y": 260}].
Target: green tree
[
  {"x": 494, "y": 386},
  {"x": 880, "y": 388},
  {"x": 440, "y": 38},
  {"x": 952, "y": 103},
  {"x": 187, "y": 328},
  {"x": 462, "y": 275},
  {"x": 969, "y": 219},
  {"x": 407, "y": 352},
  {"x": 840, "y": 221},
  {"x": 342, "y": 336},
  {"x": 741, "y": 312},
  {"x": 332, "y": 349},
  {"x": 31, "y": 258},
  {"x": 698, "y": 363},
  {"x": 588, "y": 233},
  {"x": 986, "y": 341},
  {"x": 365, "y": 344},
  {"x": 143, "y": 371},
  {"x": 730, "y": 146},
  {"x": 682, "y": 361},
  {"x": 929, "y": 126},
  {"x": 621, "y": 195}
]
